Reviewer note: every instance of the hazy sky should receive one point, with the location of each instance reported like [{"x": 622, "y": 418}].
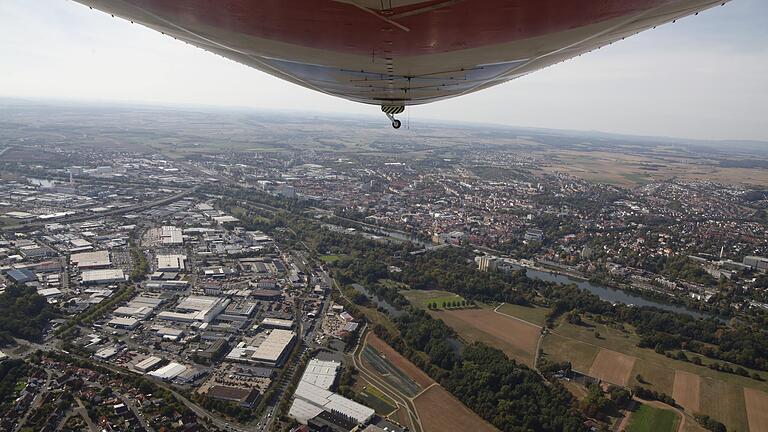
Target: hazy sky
[{"x": 704, "y": 77}]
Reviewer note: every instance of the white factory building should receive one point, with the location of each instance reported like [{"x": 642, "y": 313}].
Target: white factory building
[
  {"x": 102, "y": 277},
  {"x": 313, "y": 395},
  {"x": 123, "y": 323},
  {"x": 147, "y": 364},
  {"x": 275, "y": 348},
  {"x": 170, "y": 235},
  {"x": 321, "y": 373},
  {"x": 270, "y": 350},
  {"x": 169, "y": 371},
  {"x": 201, "y": 309},
  {"x": 171, "y": 262},
  {"x": 91, "y": 260},
  {"x": 277, "y": 323}
]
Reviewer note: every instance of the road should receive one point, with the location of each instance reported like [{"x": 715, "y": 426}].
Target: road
[
  {"x": 36, "y": 400},
  {"x": 203, "y": 413},
  {"x": 135, "y": 412},
  {"x": 84, "y": 414}
]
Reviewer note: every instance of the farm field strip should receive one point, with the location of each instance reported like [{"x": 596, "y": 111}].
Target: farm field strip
[
  {"x": 612, "y": 366},
  {"x": 440, "y": 411},
  {"x": 533, "y": 315},
  {"x": 406, "y": 409},
  {"x": 687, "y": 391},
  {"x": 516, "y": 338},
  {"x": 379, "y": 405},
  {"x": 433, "y": 408},
  {"x": 757, "y": 409}
]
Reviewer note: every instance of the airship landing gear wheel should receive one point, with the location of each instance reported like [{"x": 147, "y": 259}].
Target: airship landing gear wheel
[{"x": 390, "y": 112}]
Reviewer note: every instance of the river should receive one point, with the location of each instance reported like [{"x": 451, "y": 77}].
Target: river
[
  {"x": 605, "y": 293},
  {"x": 613, "y": 295}
]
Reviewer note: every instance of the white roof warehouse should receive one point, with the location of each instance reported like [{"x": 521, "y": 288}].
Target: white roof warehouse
[{"x": 313, "y": 397}]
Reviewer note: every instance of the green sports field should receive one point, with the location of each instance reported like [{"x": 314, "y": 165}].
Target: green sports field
[{"x": 651, "y": 419}]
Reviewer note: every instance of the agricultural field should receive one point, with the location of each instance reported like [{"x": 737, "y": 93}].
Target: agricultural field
[
  {"x": 533, "y": 314},
  {"x": 698, "y": 389},
  {"x": 757, "y": 402},
  {"x": 580, "y": 354},
  {"x": 652, "y": 419},
  {"x": 632, "y": 170},
  {"x": 440, "y": 411},
  {"x": 422, "y": 298},
  {"x": 612, "y": 366},
  {"x": 518, "y": 339},
  {"x": 687, "y": 391}
]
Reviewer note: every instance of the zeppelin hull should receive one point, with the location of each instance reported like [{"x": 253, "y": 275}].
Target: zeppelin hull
[{"x": 400, "y": 52}]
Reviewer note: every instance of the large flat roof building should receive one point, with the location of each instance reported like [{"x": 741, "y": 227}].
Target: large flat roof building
[
  {"x": 21, "y": 275},
  {"x": 147, "y": 364},
  {"x": 246, "y": 398},
  {"x": 171, "y": 262},
  {"x": 101, "y": 277},
  {"x": 277, "y": 323},
  {"x": 169, "y": 371},
  {"x": 314, "y": 398},
  {"x": 275, "y": 348},
  {"x": 97, "y": 259},
  {"x": 321, "y": 373},
  {"x": 196, "y": 308},
  {"x": 311, "y": 400},
  {"x": 123, "y": 323},
  {"x": 267, "y": 349},
  {"x": 171, "y": 235},
  {"x": 757, "y": 262}
]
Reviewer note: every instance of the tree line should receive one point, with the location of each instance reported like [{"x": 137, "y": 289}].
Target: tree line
[
  {"x": 509, "y": 395},
  {"x": 23, "y": 314}
]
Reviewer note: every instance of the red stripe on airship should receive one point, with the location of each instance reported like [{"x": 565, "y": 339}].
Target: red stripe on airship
[{"x": 432, "y": 27}]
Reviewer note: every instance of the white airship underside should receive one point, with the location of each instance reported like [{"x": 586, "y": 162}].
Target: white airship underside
[{"x": 395, "y": 53}]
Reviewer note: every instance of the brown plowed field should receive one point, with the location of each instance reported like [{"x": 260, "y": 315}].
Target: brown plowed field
[
  {"x": 687, "y": 391},
  {"x": 439, "y": 411},
  {"x": 757, "y": 409},
  {"x": 516, "y": 338},
  {"x": 612, "y": 366}
]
